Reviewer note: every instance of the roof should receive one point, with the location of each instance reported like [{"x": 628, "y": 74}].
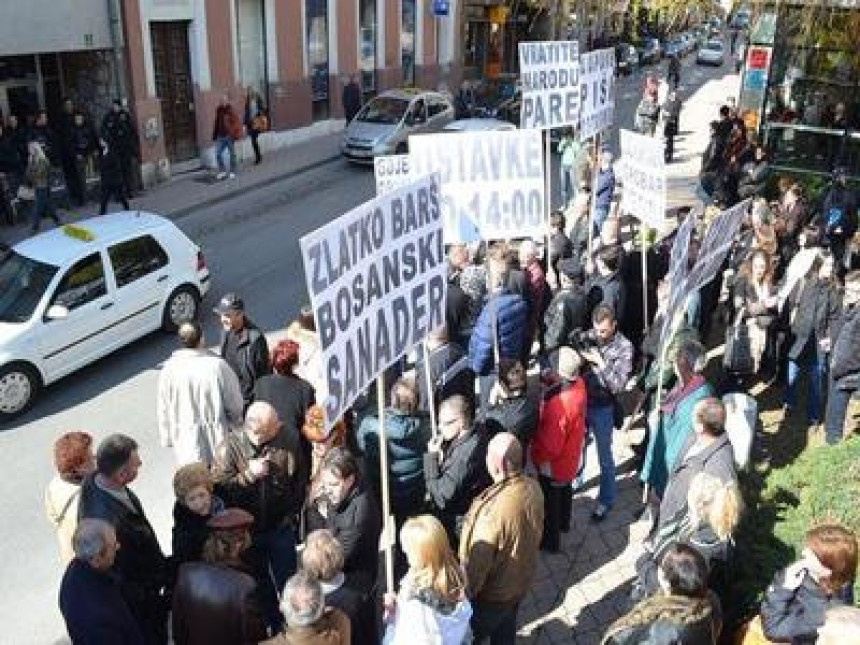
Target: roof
[
  {"x": 475, "y": 125},
  {"x": 406, "y": 93},
  {"x": 57, "y": 247}
]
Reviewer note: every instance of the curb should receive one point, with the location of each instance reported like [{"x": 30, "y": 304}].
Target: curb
[{"x": 206, "y": 203}]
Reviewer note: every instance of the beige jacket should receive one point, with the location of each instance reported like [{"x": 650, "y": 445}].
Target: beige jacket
[
  {"x": 310, "y": 358},
  {"x": 199, "y": 400},
  {"x": 500, "y": 541},
  {"x": 61, "y": 506}
]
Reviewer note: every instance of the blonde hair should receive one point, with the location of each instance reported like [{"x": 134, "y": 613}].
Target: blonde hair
[
  {"x": 322, "y": 556},
  {"x": 715, "y": 503},
  {"x": 433, "y": 564}
]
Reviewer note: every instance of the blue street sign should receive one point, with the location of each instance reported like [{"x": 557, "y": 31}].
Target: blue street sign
[{"x": 441, "y": 7}]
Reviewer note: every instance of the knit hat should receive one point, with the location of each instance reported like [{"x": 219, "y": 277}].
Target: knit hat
[{"x": 569, "y": 363}]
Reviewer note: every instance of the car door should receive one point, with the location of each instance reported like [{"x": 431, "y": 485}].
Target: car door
[
  {"x": 440, "y": 113},
  {"x": 420, "y": 122},
  {"x": 140, "y": 272},
  {"x": 87, "y": 332}
]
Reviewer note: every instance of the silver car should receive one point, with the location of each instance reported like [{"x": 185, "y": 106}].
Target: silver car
[
  {"x": 711, "y": 53},
  {"x": 384, "y": 124}
]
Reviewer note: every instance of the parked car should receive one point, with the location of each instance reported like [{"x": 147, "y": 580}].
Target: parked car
[
  {"x": 74, "y": 294},
  {"x": 384, "y": 124},
  {"x": 675, "y": 46},
  {"x": 711, "y": 53},
  {"x": 650, "y": 50},
  {"x": 690, "y": 43},
  {"x": 626, "y": 59},
  {"x": 479, "y": 125}
]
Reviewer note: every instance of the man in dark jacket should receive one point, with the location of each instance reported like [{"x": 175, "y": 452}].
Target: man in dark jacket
[
  {"x": 706, "y": 450},
  {"x": 845, "y": 359},
  {"x": 140, "y": 565},
  {"x": 256, "y": 469},
  {"x": 243, "y": 345},
  {"x": 454, "y": 465},
  {"x": 839, "y": 211},
  {"x": 458, "y": 310},
  {"x": 449, "y": 371},
  {"x": 90, "y": 598},
  {"x": 351, "y": 99},
  {"x": 604, "y": 286},
  {"x": 510, "y": 408},
  {"x": 605, "y": 190},
  {"x": 671, "y": 122},
  {"x": 64, "y": 150},
  {"x": 119, "y": 131},
  {"x": 567, "y": 311},
  {"x": 112, "y": 182},
  {"x": 346, "y": 508},
  {"x": 560, "y": 246}
]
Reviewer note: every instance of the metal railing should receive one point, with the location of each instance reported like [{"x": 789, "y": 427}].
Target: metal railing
[{"x": 816, "y": 150}]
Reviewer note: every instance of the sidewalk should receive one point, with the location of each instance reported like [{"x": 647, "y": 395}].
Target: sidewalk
[
  {"x": 578, "y": 593},
  {"x": 199, "y": 189}
]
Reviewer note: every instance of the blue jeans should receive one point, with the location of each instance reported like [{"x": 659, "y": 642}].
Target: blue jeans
[
  {"x": 838, "y": 397},
  {"x": 225, "y": 143},
  {"x": 277, "y": 549},
  {"x": 815, "y": 376},
  {"x": 42, "y": 206},
  {"x": 600, "y": 215},
  {"x": 601, "y": 422}
]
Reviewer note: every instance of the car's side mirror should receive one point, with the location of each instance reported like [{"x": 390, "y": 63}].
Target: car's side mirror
[{"x": 56, "y": 312}]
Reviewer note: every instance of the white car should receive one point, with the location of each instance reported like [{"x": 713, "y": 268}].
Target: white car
[
  {"x": 77, "y": 293},
  {"x": 711, "y": 53},
  {"x": 479, "y": 125}
]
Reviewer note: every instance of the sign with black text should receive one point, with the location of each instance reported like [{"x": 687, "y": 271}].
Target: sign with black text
[
  {"x": 390, "y": 172},
  {"x": 492, "y": 182},
  {"x": 377, "y": 281},
  {"x": 597, "y": 91},
  {"x": 549, "y": 74},
  {"x": 643, "y": 172}
]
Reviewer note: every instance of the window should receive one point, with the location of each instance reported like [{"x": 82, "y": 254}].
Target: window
[
  {"x": 437, "y": 107},
  {"x": 367, "y": 63},
  {"x": 84, "y": 283},
  {"x": 419, "y": 111},
  {"x": 22, "y": 284},
  {"x": 407, "y": 42},
  {"x": 136, "y": 258},
  {"x": 316, "y": 20}
]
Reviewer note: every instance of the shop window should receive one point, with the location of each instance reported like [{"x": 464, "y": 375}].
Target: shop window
[
  {"x": 316, "y": 20},
  {"x": 250, "y": 37},
  {"x": 367, "y": 63},
  {"x": 407, "y": 42}
]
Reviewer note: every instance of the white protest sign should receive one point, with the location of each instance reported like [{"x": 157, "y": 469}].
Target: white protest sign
[
  {"x": 643, "y": 171},
  {"x": 391, "y": 171},
  {"x": 597, "y": 91},
  {"x": 377, "y": 281},
  {"x": 549, "y": 73},
  {"x": 492, "y": 182}
]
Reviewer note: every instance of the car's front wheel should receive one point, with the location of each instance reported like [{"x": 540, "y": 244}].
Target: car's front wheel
[
  {"x": 182, "y": 305},
  {"x": 19, "y": 386}
]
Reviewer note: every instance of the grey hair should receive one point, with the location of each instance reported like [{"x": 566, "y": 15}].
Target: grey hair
[
  {"x": 458, "y": 405},
  {"x": 89, "y": 540},
  {"x": 693, "y": 354},
  {"x": 303, "y": 602}
]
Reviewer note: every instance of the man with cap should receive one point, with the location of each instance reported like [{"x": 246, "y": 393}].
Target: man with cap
[
  {"x": 557, "y": 445},
  {"x": 567, "y": 311},
  {"x": 243, "y": 345},
  {"x": 216, "y": 601}
]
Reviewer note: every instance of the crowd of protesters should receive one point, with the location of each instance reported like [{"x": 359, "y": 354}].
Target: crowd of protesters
[{"x": 278, "y": 527}]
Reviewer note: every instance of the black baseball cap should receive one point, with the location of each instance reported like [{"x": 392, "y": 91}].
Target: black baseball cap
[{"x": 230, "y": 302}]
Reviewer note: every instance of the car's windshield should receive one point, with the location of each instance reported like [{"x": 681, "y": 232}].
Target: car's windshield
[
  {"x": 714, "y": 45},
  {"x": 383, "y": 109},
  {"x": 22, "y": 283}
]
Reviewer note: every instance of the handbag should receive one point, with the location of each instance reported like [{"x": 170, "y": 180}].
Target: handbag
[
  {"x": 737, "y": 356},
  {"x": 260, "y": 123},
  {"x": 26, "y": 193}
]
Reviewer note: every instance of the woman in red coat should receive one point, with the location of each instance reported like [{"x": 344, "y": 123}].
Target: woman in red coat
[{"x": 557, "y": 445}]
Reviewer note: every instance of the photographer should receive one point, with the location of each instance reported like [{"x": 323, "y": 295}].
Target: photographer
[{"x": 610, "y": 360}]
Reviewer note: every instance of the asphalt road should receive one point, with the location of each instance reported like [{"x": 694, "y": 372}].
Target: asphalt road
[{"x": 251, "y": 247}]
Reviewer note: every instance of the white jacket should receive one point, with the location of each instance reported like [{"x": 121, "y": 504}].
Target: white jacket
[
  {"x": 417, "y": 623},
  {"x": 199, "y": 400}
]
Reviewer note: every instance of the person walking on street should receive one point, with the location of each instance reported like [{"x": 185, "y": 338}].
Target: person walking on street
[
  {"x": 83, "y": 145},
  {"x": 674, "y": 72},
  {"x": 671, "y": 121},
  {"x": 112, "y": 182},
  {"x": 351, "y": 99},
  {"x": 500, "y": 543},
  {"x": 256, "y": 121},
  {"x": 38, "y": 176},
  {"x": 605, "y": 190},
  {"x": 119, "y": 131},
  {"x": 570, "y": 149},
  {"x": 647, "y": 114},
  {"x": 199, "y": 399},
  {"x": 64, "y": 149},
  {"x": 243, "y": 345},
  {"x": 225, "y": 132}
]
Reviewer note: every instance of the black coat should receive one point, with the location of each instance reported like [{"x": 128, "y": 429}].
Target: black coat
[
  {"x": 10, "y": 160},
  {"x": 140, "y": 565},
  {"x": 816, "y": 305},
  {"x": 450, "y": 374},
  {"x": 458, "y": 313},
  {"x": 190, "y": 533},
  {"x": 453, "y": 484},
  {"x": 94, "y": 609},
  {"x": 606, "y": 290},
  {"x": 794, "y": 615},
  {"x": 566, "y": 313},
  {"x": 845, "y": 344},
  {"x": 110, "y": 170},
  {"x": 517, "y": 415},
  {"x": 253, "y": 358},
  {"x": 669, "y": 620},
  {"x": 356, "y": 523},
  {"x": 119, "y": 131}
]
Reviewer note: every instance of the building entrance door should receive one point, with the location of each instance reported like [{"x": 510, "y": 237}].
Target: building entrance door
[{"x": 175, "y": 89}]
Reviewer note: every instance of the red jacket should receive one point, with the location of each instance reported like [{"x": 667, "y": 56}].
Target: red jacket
[{"x": 561, "y": 430}]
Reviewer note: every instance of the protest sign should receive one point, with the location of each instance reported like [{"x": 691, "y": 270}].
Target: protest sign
[
  {"x": 391, "y": 171},
  {"x": 377, "y": 281},
  {"x": 597, "y": 91},
  {"x": 643, "y": 172},
  {"x": 549, "y": 74},
  {"x": 492, "y": 182}
]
